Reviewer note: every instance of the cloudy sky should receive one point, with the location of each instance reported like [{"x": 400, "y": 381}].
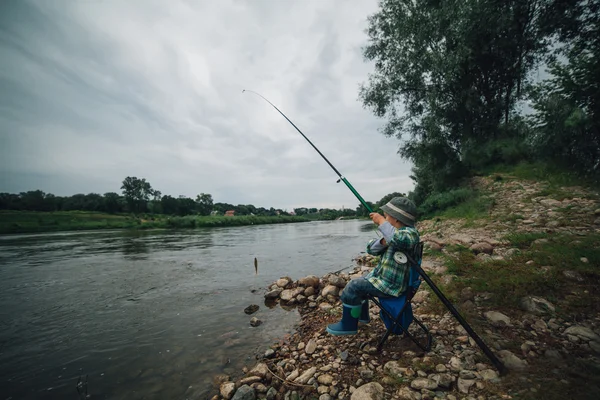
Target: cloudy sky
[{"x": 92, "y": 91}]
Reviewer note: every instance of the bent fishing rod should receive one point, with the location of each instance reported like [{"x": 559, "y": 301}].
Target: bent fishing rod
[
  {"x": 341, "y": 177},
  {"x": 486, "y": 350}
]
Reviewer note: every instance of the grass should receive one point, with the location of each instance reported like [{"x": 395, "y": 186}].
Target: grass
[
  {"x": 30, "y": 221},
  {"x": 473, "y": 210},
  {"x": 554, "y": 176},
  {"x": 509, "y": 280}
]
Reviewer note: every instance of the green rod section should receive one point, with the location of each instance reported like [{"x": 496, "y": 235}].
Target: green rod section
[{"x": 358, "y": 196}]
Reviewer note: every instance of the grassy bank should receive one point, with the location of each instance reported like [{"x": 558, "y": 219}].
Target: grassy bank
[{"x": 29, "y": 221}]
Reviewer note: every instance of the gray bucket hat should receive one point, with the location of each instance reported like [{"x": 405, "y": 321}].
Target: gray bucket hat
[{"x": 403, "y": 209}]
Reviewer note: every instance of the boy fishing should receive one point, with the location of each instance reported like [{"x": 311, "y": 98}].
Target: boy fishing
[{"x": 390, "y": 277}]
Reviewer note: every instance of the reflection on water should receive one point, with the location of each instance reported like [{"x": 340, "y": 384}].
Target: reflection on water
[
  {"x": 150, "y": 314},
  {"x": 370, "y": 227}
]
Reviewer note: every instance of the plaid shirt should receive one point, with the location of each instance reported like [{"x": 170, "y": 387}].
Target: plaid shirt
[{"x": 389, "y": 276}]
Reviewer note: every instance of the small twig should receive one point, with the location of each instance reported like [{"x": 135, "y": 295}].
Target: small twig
[{"x": 285, "y": 380}]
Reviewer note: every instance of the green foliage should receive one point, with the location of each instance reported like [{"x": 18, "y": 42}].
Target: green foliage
[
  {"x": 137, "y": 193},
  {"x": 523, "y": 240},
  {"x": 515, "y": 276},
  {"x": 385, "y": 199},
  {"x": 567, "y": 118},
  {"x": 447, "y": 78},
  {"x": 26, "y": 221},
  {"x": 541, "y": 171},
  {"x": 458, "y": 203}
]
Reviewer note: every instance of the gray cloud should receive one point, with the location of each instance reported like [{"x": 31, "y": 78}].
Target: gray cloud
[{"x": 91, "y": 92}]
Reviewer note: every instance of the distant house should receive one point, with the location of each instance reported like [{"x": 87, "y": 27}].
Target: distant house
[
  {"x": 214, "y": 212},
  {"x": 229, "y": 213}
]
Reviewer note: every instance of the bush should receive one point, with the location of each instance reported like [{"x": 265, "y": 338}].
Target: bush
[{"x": 441, "y": 201}]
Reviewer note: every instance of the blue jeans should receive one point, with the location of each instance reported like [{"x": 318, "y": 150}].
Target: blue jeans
[{"x": 358, "y": 289}]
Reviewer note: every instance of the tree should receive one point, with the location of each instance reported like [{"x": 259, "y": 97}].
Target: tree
[
  {"x": 33, "y": 200},
  {"x": 137, "y": 193},
  {"x": 204, "y": 203},
  {"x": 169, "y": 205},
  {"x": 185, "y": 206},
  {"x": 448, "y": 75},
  {"x": 112, "y": 203},
  {"x": 567, "y": 120},
  {"x": 385, "y": 199},
  {"x": 361, "y": 211}
]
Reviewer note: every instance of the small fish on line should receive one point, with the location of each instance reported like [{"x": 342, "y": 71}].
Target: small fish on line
[{"x": 255, "y": 266}]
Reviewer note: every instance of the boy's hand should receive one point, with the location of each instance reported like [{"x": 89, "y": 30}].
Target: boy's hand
[{"x": 377, "y": 218}]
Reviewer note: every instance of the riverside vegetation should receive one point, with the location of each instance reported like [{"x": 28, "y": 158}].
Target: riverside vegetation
[
  {"x": 523, "y": 269},
  {"x": 32, "y": 221}
]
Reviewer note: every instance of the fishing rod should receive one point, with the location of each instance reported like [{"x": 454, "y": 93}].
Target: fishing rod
[
  {"x": 486, "y": 350},
  {"x": 358, "y": 196}
]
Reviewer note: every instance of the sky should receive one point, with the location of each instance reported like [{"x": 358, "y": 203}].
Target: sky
[{"x": 93, "y": 91}]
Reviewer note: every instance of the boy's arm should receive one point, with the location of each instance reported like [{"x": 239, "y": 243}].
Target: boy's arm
[
  {"x": 376, "y": 247},
  {"x": 400, "y": 238}
]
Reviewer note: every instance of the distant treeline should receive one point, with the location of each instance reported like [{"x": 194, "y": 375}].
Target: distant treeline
[{"x": 138, "y": 197}]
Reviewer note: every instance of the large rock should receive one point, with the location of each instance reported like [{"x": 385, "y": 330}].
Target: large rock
[
  {"x": 259, "y": 369},
  {"x": 311, "y": 346},
  {"x": 309, "y": 291},
  {"x": 442, "y": 380},
  {"x": 431, "y": 245},
  {"x": 251, "y": 309},
  {"x": 582, "y": 332},
  {"x": 537, "y": 305},
  {"x": 406, "y": 393},
  {"x": 420, "y": 296},
  {"x": 460, "y": 238},
  {"x": 245, "y": 392},
  {"x": 488, "y": 374},
  {"x": 423, "y": 383},
  {"x": 370, "y": 391},
  {"x": 325, "y": 379},
  {"x": 464, "y": 385},
  {"x": 227, "y": 389},
  {"x": 289, "y": 294},
  {"x": 551, "y": 203},
  {"x": 273, "y": 294},
  {"x": 311, "y": 280},
  {"x": 284, "y": 281},
  {"x": 394, "y": 369},
  {"x": 511, "y": 361},
  {"x": 306, "y": 375},
  {"x": 337, "y": 281},
  {"x": 330, "y": 290},
  {"x": 497, "y": 319},
  {"x": 482, "y": 247}
]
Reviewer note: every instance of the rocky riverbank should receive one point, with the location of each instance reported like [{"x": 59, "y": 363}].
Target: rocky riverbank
[{"x": 537, "y": 310}]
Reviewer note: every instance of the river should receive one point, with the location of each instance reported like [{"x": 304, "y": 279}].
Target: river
[{"x": 151, "y": 314}]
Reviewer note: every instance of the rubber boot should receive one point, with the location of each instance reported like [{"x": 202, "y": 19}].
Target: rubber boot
[
  {"x": 365, "y": 318},
  {"x": 349, "y": 323}
]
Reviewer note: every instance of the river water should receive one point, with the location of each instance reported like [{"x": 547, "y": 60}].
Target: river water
[{"x": 150, "y": 314}]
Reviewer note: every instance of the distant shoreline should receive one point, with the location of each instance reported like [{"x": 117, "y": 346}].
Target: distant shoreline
[{"x": 62, "y": 221}]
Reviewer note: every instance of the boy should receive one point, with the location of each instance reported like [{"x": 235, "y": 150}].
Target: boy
[{"x": 390, "y": 277}]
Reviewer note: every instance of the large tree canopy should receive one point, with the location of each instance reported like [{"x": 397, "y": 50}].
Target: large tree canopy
[{"x": 448, "y": 76}]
